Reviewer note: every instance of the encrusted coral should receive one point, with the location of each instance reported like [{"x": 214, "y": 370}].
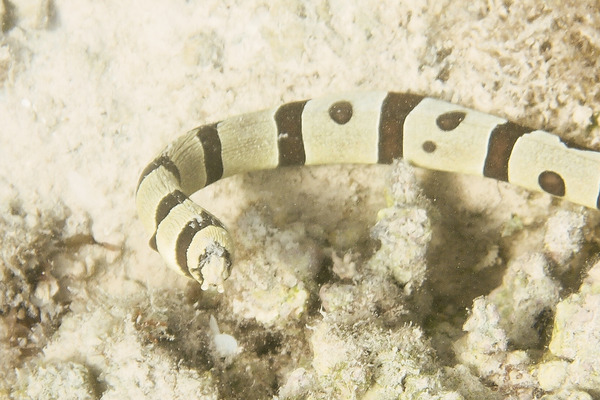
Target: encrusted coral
[
  {"x": 526, "y": 299},
  {"x": 404, "y": 231},
  {"x": 575, "y": 340},
  {"x": 107, "y": 353},
  {"x": 365, "y": 361},
  {"x": 29, "y": 306}
]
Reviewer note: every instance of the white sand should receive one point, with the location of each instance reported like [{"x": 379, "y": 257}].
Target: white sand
[{"x": 92, "y": 90}]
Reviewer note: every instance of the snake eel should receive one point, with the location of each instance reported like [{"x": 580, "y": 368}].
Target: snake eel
[{"x": 368, "y": 128}]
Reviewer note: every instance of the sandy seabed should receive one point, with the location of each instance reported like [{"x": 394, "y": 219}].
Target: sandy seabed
[{"x": 367, "y": 282}]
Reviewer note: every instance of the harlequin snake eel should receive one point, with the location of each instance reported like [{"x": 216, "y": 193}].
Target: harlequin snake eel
[{"x": 357, "y": 128}]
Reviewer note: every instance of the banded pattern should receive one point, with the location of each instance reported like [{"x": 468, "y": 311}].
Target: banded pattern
[{"x": 371, "y": 127}]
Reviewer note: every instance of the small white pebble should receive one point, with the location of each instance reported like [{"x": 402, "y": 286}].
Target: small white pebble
[{"x": 225, "y": 345}]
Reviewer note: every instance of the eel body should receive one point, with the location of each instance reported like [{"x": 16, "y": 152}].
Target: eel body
[{"x": 357, "y": 128}]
